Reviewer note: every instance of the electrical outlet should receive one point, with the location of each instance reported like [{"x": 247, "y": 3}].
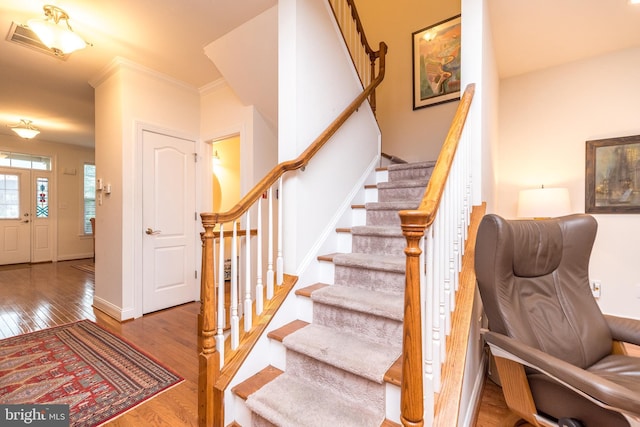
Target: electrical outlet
[{"x": 596, "y": 288}]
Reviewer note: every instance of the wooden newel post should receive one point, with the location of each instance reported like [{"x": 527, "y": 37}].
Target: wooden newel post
[
  {"x": 209, "y": 358},
  {"x": 411, "y": 390}
]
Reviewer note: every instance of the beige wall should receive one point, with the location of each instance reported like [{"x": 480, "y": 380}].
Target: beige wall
[
  {"x": 545, "y": 117},
  {"x": 226, "y": 174},
  {"x": 408, "y": 134},
  {"x": 69, "y": 208}
]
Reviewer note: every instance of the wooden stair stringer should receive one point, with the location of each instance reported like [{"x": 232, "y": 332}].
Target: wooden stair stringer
[{"x": 234, "y": 359}]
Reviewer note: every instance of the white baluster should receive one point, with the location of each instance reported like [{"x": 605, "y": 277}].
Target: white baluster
[
  {"x": 259, "y": 286},
  {"x": 280, "y": 260},
  {"x": 270, "y": 273},
  {"x": 235, "y": 320},
  {"x": 248, "y": 300},
  {"x": 220, "y": 303},
  {"x": 426, "y": 287},
  {"x": 437, "y": 290}
]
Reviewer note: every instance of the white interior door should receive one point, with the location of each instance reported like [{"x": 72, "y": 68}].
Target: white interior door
[
  {"x": 168, "y": 215},
  {"x": 15, "y": 215}
]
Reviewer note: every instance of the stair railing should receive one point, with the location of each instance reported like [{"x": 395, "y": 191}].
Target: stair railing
[
  {"x": 435, "y": 233},
  {"x": 234, "y": 226},
  {"x": 363, "y": 56}
]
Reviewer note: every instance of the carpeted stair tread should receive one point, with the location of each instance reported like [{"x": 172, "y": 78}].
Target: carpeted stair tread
[
  {"x": 292, "y": 402},
  {"x": 407, "y": 183},
  {"x": 376, "y": 230},
  {"x": 391, "y": 263},
  {"x": 395, "y": 206},
  {"x": 345, "y": 351},
  {"x": 412, "y": 165},
  {"x": 378, "y": 303}
]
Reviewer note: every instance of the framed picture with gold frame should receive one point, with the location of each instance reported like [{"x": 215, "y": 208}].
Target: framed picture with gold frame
[
  {"x": 436, "y": 63},
  {"x": 612, "y": 181}
]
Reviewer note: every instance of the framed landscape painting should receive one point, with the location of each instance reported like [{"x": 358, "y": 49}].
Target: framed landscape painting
[
  {"x": 612, "y": 183},
  {"x": 436, "y": 63}
]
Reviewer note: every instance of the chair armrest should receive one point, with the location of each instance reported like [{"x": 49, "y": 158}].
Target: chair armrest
[
  {"x": 599, "y": 390},
  {"x": 624, "y": 329}
]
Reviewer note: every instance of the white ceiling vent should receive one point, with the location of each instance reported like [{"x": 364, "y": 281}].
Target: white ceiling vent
[{"x": 22, "y": 35}]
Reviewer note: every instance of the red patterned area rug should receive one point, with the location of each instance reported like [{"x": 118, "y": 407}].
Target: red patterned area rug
[{"x": 97, "y": 374}]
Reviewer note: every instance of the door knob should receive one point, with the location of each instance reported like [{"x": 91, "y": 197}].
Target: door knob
[{"x": 151, "y": 231}]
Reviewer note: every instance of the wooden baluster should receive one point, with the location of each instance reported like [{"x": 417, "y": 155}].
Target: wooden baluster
[
  {"x": 208, "y": 360},
  {"x": 411, "y": 397}
]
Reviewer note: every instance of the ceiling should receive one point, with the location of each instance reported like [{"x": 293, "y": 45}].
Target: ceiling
[
  {"x": 165, "y": 35},
  {"x": 532, "y": 35},
  {"x": 169, "y": 36}
]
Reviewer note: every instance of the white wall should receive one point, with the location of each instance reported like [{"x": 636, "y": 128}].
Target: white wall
[
  {"x": 254, "y": 74},
  {"x": 316, "y": 83},
  {"x": 411, "y": 135},
  {"x": 68, "y": 206},
  {"x": 545, "y": 119},
  {"x": 480, "y": 69},
  {"x": 129, "y": 97}
]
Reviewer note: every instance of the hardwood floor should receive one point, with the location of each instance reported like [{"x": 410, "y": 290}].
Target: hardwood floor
[{"x": 34, "y": 297}]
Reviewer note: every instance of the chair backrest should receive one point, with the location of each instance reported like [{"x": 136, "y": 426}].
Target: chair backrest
[{"x": 533, "y": 276}]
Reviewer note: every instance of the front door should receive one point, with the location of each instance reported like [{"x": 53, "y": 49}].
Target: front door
[
  {"x": 15, "y": 212},
  {"x": 168, "y": 215}
]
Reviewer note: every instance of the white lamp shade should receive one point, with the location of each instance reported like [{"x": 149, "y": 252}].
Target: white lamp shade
[
  {"x": 56, "y": 36},
  {"x": 26, "y": 133},
  {"x": 544, "y": 203}
]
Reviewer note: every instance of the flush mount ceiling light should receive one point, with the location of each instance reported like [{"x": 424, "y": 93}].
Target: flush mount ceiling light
[
  {"x": 57, "y": 36},
  {"x": 25, "y": 129}
]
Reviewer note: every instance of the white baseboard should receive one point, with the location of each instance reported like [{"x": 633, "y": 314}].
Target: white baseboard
[
  {"x": 74, "y": 257},
  {"x": 110, "y": 309},
  {"x": 476, "y": 394}
]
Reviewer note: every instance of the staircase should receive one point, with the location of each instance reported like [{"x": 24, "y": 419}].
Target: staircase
[{"x": 337, "y": 366}]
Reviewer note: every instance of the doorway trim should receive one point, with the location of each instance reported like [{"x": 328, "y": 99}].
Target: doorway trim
[{"x": 238, "y": 129}]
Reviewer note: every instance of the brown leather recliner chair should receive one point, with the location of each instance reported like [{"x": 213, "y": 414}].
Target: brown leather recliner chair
[{"x": 560, "y": 360}]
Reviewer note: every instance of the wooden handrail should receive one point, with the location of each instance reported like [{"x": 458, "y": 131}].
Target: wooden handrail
[
  {"x": 210, "y": 219},
  {"x": 371, "y": 54},
  {"x": 414, "y": 223},
  {"x": 363, "y": 38},
  {"x": 435, "y": 187}
]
